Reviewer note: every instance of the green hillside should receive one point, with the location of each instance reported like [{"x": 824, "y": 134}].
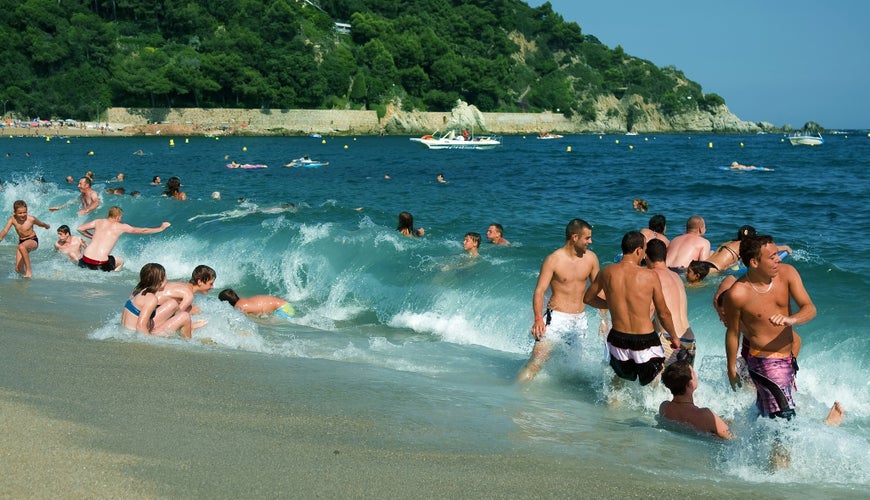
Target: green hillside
[{"x": 71, "y": 59}]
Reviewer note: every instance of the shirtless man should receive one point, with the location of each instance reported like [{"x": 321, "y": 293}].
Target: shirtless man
[
  {"x": 90, "y": 199},
  {"x": 758, "y": 304},
  {"x": 104, "y": 234},
  {"x": 494, "y": 234},
  {"x": 689, "y": 246},
  {"x": 675, "y": 298},
  {"x": 258, "y": 304},
  {"x": 635, "y": 349},
  {"x": 69, "y": 245},
  {"x": 655, "y": 229},
  {"x": 566, "y": 272},
  {"x": 201, "y": 281}
]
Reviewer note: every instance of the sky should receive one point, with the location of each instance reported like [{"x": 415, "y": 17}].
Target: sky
[{"x": 783, "y": 62}]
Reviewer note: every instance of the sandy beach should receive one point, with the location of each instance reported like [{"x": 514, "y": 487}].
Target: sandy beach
[{"x": 89, "y": 418}]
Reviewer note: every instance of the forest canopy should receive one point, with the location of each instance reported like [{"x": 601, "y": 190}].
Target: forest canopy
[{"x": 74, "y": 58}]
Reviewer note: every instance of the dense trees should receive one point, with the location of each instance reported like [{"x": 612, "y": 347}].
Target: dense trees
[{"x": 72, "y": 58}]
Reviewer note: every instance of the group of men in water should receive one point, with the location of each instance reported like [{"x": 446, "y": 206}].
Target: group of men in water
[{"x": 648, "y": 332}]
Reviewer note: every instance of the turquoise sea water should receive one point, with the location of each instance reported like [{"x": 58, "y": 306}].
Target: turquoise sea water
[{"x": 423, "y": 318}]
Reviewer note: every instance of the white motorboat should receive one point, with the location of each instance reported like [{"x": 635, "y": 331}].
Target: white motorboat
[
  {"x": 451, "y": 140},
  {"x": 806, "y": 139}
]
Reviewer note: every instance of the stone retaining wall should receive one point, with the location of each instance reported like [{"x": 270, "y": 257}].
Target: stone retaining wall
[{"x": 327, "y": 122}]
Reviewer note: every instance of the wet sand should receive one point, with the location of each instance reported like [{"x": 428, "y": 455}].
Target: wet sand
[{"x": 91, "y": 418}]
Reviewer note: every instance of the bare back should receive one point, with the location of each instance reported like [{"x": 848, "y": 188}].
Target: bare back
[
  {"x": 630, "y": 289},
  {"x": 105, "y": 235},
  {"x": 726, "y": 255},
  {"x": 259, "y": 304},
  {"x": 674, "y": 292},
  {"x": 687, "y": 247}
]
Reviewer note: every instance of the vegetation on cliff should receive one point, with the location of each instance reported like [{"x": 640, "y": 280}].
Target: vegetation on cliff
[{"x": 73, "y": 58}]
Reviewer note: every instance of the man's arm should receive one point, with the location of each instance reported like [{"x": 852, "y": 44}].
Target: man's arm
[
  {"x": 732, "y": 339},
  {"x": 87, "y": 229},
  {"x": 58, "y": 207},
  {"x": 591, "y": 296},
  {"x": 146, "y": 230},
  {"x": 544, "y": 278},
  {"x": 806, "y": 308}
]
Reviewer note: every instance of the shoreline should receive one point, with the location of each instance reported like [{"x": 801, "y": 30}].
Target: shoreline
[{"x": 93, "y": 418}]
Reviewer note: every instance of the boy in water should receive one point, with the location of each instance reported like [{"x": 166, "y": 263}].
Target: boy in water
[
  {"x": 27, "y": 240},
  {"x": 69, "y": 245},
  {"x": 682, "y": 381},
  {"x": 258, "y": 304}
]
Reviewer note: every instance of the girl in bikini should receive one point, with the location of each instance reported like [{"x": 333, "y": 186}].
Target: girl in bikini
[{"x": 141, "y": 312}]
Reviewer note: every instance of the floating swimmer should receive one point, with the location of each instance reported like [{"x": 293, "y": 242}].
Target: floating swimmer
[{"x": 258, "y": 304}]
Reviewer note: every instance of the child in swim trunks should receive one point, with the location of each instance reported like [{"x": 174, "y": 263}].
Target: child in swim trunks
[
  {"x": 27, "y": 240},
  {"x": 258, "y": 304}
]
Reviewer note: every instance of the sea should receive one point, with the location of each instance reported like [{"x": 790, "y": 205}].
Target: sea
[{"x": 418, "y": 314}]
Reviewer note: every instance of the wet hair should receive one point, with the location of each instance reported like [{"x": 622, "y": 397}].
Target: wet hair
[
  {"x": 115, "y": 212},
  {"x": 87, "y": 180},
  {"x": 475, "y": 237},
  {"x": 63, "y": 229},
  {"x": 745, "y": 232},
  {"x": 498, "y": 227},
  {"x": 576, "y": 226},
  {"x": 406, "y": 223},
  {"x": 657, "y": 223},
  {"x": 701, "y": 268},
  {"x": 202, "y": 274},
  {"x": 656, "y": 251},
  {"x": 173, "y": 186},
  {"x": 229, "y": 295},
  {"x": 677, "y": 376},
  {"x": 750, "y": 248},
  {"x": 19, "y": 204},
  {"x": 151, "y": 276},
  {"x": 632, "y": 241}
]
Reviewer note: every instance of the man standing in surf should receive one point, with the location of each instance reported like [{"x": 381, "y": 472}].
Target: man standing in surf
[
  {"x": 566, "y": 272},
  {"x": 759, "y": 302},
  {"x": 636, "y": 352}
]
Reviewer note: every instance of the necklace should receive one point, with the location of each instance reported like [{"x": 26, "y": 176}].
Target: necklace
[{"x": 769, "y": 286}]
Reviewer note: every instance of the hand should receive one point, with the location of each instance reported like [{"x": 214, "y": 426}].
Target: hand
[
  {"x": 165, "y": 225},
  {"x": 734, "y": 379},
  {"x": 539, "y": 328},
  {"x": 675, "y": 342},
  {"x": 781, "y": 320}
]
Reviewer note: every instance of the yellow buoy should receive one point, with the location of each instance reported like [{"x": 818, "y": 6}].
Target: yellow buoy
[
  {"x": 244, "y": 148},
  {"x": 617, "y": 141},
  {"x": 599, "y": 137},
  {"x": 345, "y": 146},
  {"x": 171, "y": 142},
  {"x": 90, "y": 153},
  {"x": 187, "y": 140},
  {"x": 630, "y": 147},
  {"x": 568, "y": 149},
  {"x": 47, "y": 139},
  {"x": 323, "y": 141},
  {"x": 741, "y": 144},
  {"x": 709, "y": 144}
]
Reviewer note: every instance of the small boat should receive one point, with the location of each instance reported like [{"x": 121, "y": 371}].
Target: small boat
[
  {"x": 806, "y": 139},
  {"x": 451, "y": 140},
  {"x": 306, "y": 162},
  {"x": 548, "y": 135},
  {"x": 245, "y": 165}
]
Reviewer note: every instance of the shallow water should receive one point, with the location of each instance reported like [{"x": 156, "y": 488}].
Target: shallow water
[{"x": 428, "y": 322}]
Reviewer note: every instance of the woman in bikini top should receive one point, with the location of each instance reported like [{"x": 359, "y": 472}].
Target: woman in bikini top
[{"x": 141, "y": 306}]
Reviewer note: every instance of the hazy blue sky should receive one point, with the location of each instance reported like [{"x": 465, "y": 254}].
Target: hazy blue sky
[{"x": 784, "y": 62}]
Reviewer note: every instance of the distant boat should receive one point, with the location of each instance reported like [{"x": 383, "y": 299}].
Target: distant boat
[
  {"x": 631, "y": 133},
  {"x": 549, "y": 135},
  {"x": 316, "y": 136},
  {"x": 451, "y": 140},
  {"x": 806, "y": 139},
  {"x": 306, "y": 162}
]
